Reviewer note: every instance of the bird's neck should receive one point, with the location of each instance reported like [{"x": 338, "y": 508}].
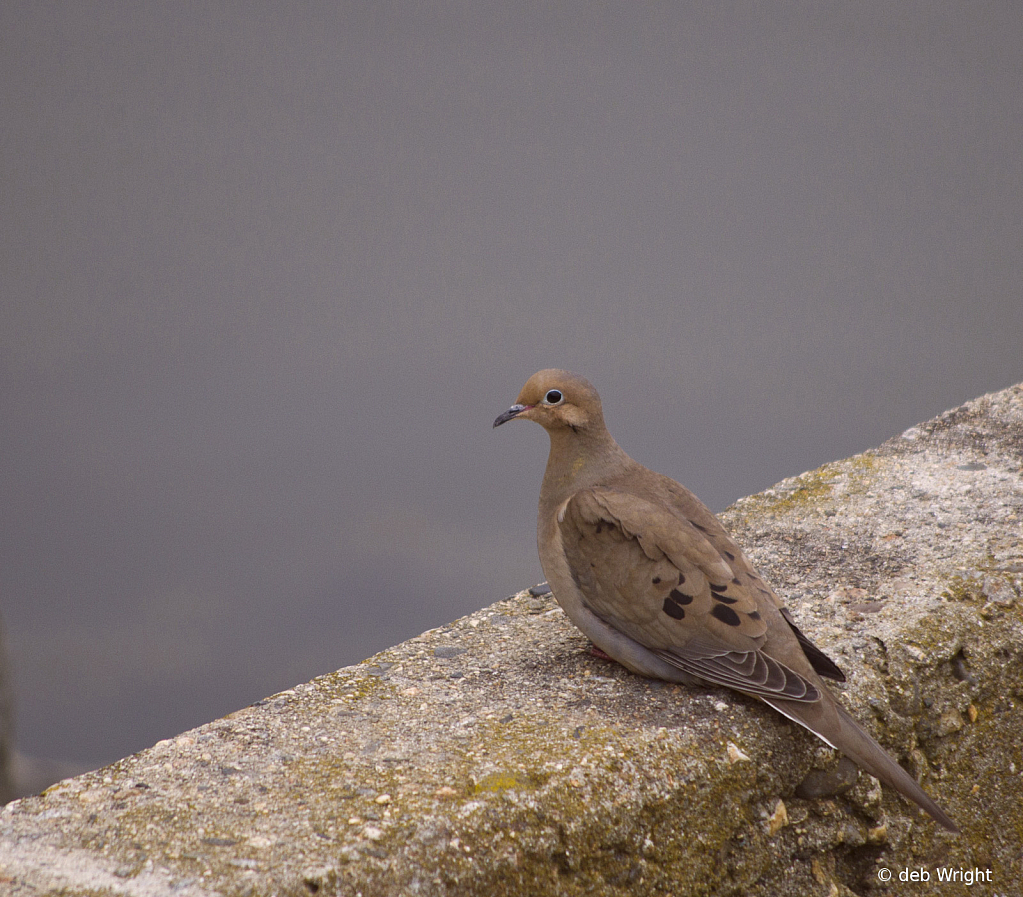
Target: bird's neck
[{"x": 579, "y": 460}]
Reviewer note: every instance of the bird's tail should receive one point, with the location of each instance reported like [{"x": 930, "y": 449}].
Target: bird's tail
[{"x": 849, "y": 737}]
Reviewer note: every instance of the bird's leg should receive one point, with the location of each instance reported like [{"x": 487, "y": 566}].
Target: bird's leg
[{"x": 596, "y": 652}]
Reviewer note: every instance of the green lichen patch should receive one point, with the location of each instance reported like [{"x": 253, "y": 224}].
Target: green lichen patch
[
  {"x": 961, "y": 588},
  {"x": 817, "y": 489}
]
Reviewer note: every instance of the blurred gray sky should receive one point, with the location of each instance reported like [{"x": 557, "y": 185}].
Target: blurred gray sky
[{"x": 271, "y": 270}]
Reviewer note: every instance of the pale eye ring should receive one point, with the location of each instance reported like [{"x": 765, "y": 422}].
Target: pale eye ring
[{"x": 553, "y": 397}]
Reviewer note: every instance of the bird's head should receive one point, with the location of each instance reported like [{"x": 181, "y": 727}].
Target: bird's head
[{"x": 557, "y": 400}]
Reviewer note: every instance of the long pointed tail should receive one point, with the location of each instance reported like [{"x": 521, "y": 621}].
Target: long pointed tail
[{"x": 857, "y": 744}]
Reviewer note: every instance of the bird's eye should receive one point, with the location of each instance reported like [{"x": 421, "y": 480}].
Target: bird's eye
[{"x": 553, "y": 397}]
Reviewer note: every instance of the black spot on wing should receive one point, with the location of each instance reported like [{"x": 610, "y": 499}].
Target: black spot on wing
[
  {"x": 725, "y": 614},
  {"x": 717, "y": 593},
  {"x": 680, "y": 597},
  {"x": 673, "y": 609}
]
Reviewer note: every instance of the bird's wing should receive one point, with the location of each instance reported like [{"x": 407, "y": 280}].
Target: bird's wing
[{"x": 656, "y": 577}]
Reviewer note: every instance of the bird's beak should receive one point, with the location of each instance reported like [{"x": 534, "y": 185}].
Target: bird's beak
[{"x": 514, "y": 411}]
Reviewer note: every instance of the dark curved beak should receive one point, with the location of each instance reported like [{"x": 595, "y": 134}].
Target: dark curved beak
[{"x": 514, "y": 411}]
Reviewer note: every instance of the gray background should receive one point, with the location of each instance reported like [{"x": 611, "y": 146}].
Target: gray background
[{"x": 270, "y": 271}]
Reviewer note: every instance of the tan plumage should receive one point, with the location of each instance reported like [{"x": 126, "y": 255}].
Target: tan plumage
[{"x": 653, "y": 579}]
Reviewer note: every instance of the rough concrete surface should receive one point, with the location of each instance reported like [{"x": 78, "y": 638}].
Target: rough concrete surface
[{"x": 496, "y": 756}]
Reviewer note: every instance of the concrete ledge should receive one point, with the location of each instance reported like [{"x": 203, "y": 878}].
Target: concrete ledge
[{"x": 495, "y": 756}]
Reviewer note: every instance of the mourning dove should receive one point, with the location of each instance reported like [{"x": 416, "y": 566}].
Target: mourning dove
[{"x": 653, "y": 579}]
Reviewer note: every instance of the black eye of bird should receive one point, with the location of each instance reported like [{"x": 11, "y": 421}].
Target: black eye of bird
[{"x": 553, "y": 397}]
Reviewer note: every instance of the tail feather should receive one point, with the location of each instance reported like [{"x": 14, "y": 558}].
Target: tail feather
[{"x": 842, "y": 732}]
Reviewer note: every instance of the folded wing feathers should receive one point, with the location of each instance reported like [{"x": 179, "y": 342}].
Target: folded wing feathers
[
  {"x": 660, "y": 536},
  {"x": 751, "y": 672}
]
